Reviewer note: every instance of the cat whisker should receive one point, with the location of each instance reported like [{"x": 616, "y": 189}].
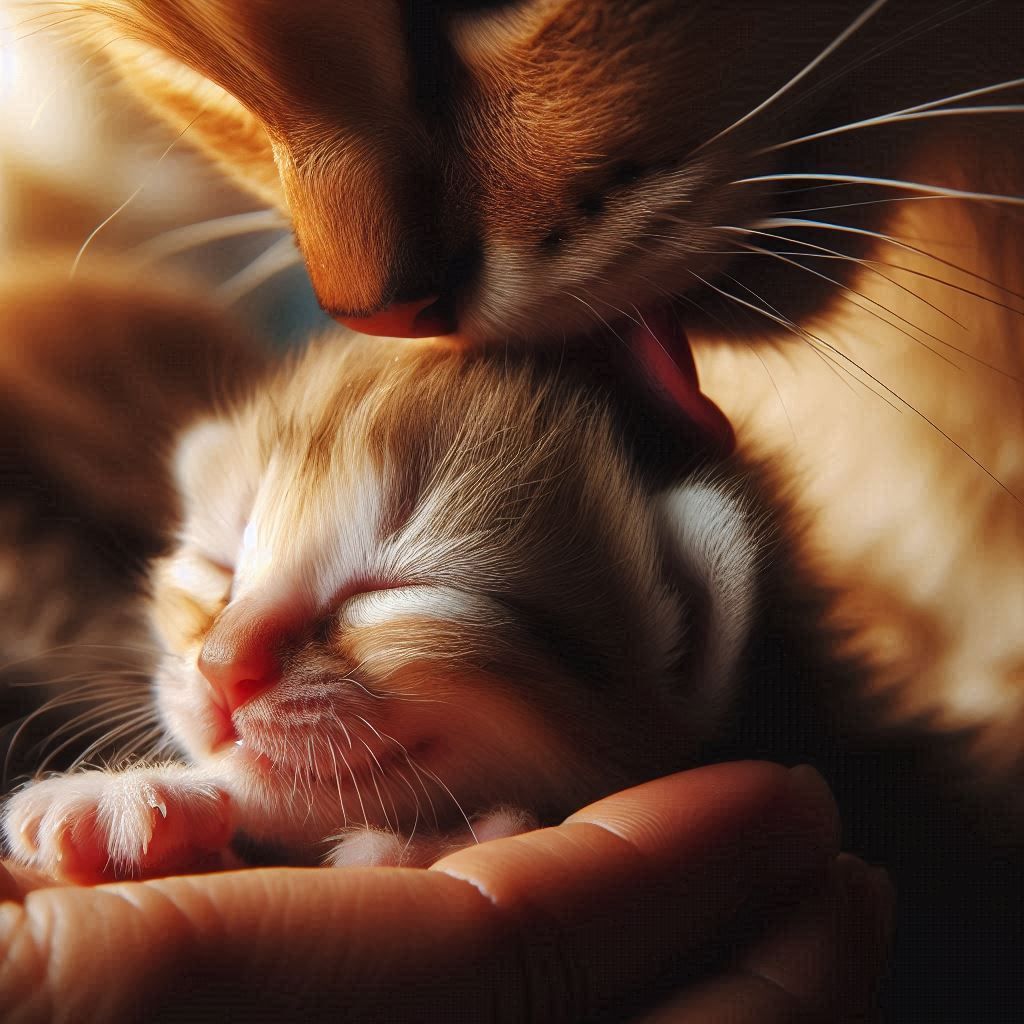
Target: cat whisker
[
  {"x": 919, "y": 112},
  {"x": 60, "y": 22},
  {"x": 843, "y": 36},
  {"x": 837, "y": 372},
  {"x": 277, "y": 258},
  {"x": 896, "y": 183},
  {"x": 191, "y": 236},
  {"x": 907, "y": 35},
  {"x": 601, "y": 320},
  {"x": 846, "y": 292},
  {"x": 797, "y": 222},
  {"x": 881, "y": 202},
  {"x": 754, "y": 349},
  {"x": 839, "y": 353},
  {"x": 145, "y": 181},
  {"x": 816, "y": 344},
  {"x": 866, "y": 264},
  {"x": 917, "y": 273},
  {"x": 45, "y": 101}
]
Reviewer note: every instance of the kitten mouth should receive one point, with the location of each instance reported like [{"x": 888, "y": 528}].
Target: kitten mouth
[
  {"x": 663, "y": 352},
  {"x": 346, "y": 768}
]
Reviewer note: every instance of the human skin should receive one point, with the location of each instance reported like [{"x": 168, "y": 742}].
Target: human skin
[{"x": 576, "y": 922}]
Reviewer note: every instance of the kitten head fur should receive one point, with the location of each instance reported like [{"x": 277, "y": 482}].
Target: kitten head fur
[{"x": 474, "y": 573}]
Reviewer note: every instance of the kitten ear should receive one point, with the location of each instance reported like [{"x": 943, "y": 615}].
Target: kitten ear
[{"x": 715, "y": 538}]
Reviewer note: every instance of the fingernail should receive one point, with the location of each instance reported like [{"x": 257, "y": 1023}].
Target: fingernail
[{"x": 810, "y": 790}]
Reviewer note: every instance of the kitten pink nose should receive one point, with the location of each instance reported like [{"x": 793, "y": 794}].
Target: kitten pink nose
[
  {"x": 403, "y": 320},
  {"x": 239, "y": 656}
]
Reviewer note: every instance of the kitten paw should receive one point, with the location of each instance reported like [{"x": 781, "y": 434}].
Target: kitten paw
[
  {"x": 105, "y": 826},
  {"x": 373, "y": 848}
]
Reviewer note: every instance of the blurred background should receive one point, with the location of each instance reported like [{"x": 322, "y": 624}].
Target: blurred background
[{"x": 77, "y": 152}]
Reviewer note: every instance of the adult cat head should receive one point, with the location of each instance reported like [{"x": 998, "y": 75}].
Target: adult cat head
[{"x": 522, "y": 169}]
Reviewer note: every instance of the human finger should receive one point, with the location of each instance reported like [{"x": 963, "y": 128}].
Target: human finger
[
  {"x": 557, "y": 924},
  {"x": 822, "y": 963}
]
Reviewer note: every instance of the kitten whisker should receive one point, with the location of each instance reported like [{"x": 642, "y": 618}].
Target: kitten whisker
[
  {"x": 75, "y": 650},
  {"x": 62, "y": 700},
  {"x": 380, "y": 798},
  {"x": 386, "y": 737},
  {"x": 355, "y": 782},
  {"x": 458, "y": 806},
  {"x": 337, "y": 782},
  {"x": 106, "y": 739}
]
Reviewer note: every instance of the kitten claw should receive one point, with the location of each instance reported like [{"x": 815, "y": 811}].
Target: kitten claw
[{"x": 103, "y": 826}]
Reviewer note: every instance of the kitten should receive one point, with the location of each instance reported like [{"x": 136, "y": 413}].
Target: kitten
[{"x": 427, "y": 593}]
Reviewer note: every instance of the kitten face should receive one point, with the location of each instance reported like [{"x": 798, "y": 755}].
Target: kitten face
[
  {"x": 536, "y": 167},
  {"x": 410, "y": 577}
]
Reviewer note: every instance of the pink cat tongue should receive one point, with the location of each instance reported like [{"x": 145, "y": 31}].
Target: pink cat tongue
[{"x": 664, "y": 352}]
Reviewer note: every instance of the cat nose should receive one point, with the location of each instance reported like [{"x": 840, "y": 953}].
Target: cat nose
[
  {"x": 421, "y": 318},
  {"x": 239, "y": 656}
]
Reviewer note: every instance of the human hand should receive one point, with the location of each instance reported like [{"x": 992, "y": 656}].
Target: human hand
[{"x": 577, "y": 922}]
